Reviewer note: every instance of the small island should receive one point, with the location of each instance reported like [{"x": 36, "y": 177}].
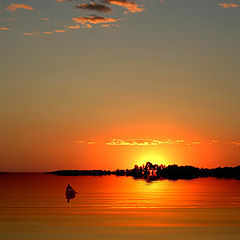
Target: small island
[{"x": 153, "y": 172}]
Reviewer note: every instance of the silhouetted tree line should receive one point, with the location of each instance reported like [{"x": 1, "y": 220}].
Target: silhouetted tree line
[{"x": 151, "y": 172}]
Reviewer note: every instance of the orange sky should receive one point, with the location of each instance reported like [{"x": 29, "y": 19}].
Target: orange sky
[
  {"x": 64, "y": 150},
  {"x": 138, "y": 80}
]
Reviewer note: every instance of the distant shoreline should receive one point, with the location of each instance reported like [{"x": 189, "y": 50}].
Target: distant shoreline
[{"x": 154, "y": 172}]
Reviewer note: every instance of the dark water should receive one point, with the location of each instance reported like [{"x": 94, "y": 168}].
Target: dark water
[{"x": 33, "y": 206}]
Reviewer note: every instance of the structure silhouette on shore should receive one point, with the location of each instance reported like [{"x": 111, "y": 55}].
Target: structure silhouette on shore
[{"x": 151, "y": 172}]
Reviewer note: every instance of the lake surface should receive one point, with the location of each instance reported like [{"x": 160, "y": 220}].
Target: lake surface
[{"x": 33, "y": 206}]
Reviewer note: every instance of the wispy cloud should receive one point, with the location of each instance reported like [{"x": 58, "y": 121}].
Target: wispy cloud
[
  {"x": 236, "y": 143},
  {"x": 5, "y": 28},
  {"x": 142, "y": 142},
  {"x": 228, "y": 5},
  {"x": 193, "y": 143},
  {"x": 30, "y": 33},
  {"x": 105, "y": 25},
  {"x": 47, "y": 33},
  {"x": 94, "y": 7},
  {"x": 94, "y": 20},
  {"x": 63, "y": 0},
  {"x": 82, "y": 22},
  {"x": 73, "y": 27},
  {"x": 154, "y": 142},
  {"x": 87, "y": 26},
  {"x": 59, "y": 30},
  {"x": 131, "y": 6},
  {"x": 196, "y": 143},
  {"x": 85, "y": 142},
  {"x": 213, "y": 141},
  {"x": 14, "y": 7}
]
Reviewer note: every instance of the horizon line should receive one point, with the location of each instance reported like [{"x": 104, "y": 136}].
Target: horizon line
[{"x": 47, "y": 171}]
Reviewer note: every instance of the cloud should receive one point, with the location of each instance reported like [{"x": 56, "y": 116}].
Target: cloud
[
  {"x": 94, "y": 20},
  {"x": 48, "y": 33},
  {"x": 59, "y": 31},
  {"x": 129, "y": 5},
  {"x": 63, "y": 0},
  {"x": 146, "y": 142},
  {"x": 142, "y": 142},
  {"x": 228, "y": 5},
  {"x": 29, "y": 33},
  {"x": 73, "y": 27},
  {"x": 5, "y": 28},
  {"x": 196, "y": 143},
  {"x": 85, "y": 142},
  {"x": 14, "y": 7},
  {"x": 236, "y": 143},
  {"x": 105, "y": 25},
  {"x": 87, "y": 26},
  {"x": 94, "y": 7}
]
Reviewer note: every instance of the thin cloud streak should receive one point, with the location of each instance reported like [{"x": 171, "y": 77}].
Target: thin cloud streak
[
  {"x": 48, "y": 33},
  {"x": 59, "y": 31},
  {"x": 14, "y": 7},
  {"x": 129, "y": 5},
  {"x": 85, "y": 142},
  {"x": 94, "y": 20},
  {"x": 237, "y": 143},
  {"x": 61, "y": 1},
  {"x": 228, "y": 5},
  {"x": 73, "y": 27},
  {"x": 94, "y": 7},
  {"x": 153, "y": 142},
  {"x": 5, "y": 28},
  {"x": 105, "y": 25},
  {"x": 134, "y": 142},
  {"x": 142, "y": 142},
  {"x": 29, "y": 33}
]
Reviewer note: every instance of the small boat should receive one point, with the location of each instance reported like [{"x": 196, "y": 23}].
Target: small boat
[{"x": 70, "y": 193}]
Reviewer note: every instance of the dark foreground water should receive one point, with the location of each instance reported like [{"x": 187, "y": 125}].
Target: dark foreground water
[{"x": 33, "y": 206}]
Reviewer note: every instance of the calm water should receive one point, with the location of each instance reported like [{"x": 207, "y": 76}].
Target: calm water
[{"x": 33, "y": 206}]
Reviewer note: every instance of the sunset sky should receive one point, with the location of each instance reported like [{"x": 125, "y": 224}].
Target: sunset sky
[{"x": 113, "y": 83}]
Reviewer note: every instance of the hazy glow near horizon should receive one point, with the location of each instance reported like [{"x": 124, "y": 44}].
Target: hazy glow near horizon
[{"x": 113, "y": 83}]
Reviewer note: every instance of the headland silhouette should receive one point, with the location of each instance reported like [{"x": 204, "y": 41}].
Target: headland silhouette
[{"x": 153, "y": 172}]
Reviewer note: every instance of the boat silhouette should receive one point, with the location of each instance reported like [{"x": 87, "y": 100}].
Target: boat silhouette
[{"x": 70, "y": 193}]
